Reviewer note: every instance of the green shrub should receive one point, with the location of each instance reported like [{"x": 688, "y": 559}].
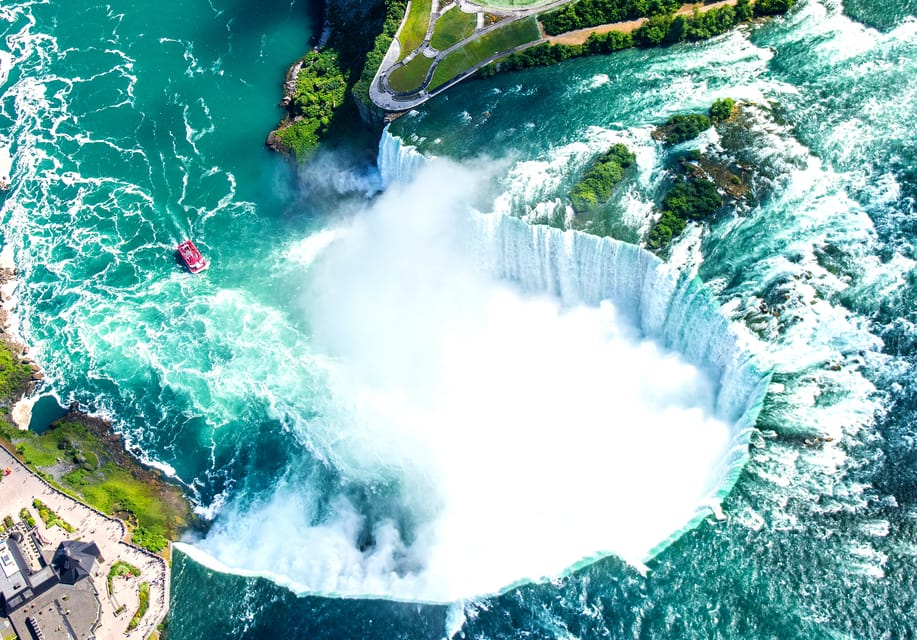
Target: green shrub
[
  {"x": 722, "y": 109},
  {"x": 600, "y": 179},
  {"x": 151, "y": 540},
  {"x": 27, "y": 517},
  {"x": 701, "y": 26},
  {"x": 772, "y": 7},
  {"x": 591, "y": 13},
  {"x": 120, "y": 568},
  {"x": 321, "y": 86},
  {"x": 50, "y": 518},
  {"x": 680, "y": 128},
  {"x": 686, "y": 200},
  {"x": 661, "y": 28},
  {"x": 667, "y": 227},
  {"x": 141, "y": 607},
  {"x": 654, "y": 31},
  {"x": 744, "y": 11}
]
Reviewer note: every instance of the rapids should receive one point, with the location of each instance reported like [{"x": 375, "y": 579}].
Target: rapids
[{"x": 131, "y": 127}]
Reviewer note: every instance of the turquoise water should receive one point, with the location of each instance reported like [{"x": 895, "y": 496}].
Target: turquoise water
[{"x": 132, "y": 128}]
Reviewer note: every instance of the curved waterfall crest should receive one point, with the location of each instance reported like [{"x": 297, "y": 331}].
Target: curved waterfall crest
[{"x": 583, "y": 269}]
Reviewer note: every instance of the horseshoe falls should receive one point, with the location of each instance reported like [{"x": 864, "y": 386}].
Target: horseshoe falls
[
  {"x": 405, "y": 408},
  {"x": 455, "y": 404}
]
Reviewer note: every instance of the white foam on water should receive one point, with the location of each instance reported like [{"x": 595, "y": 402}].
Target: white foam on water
[
  {"x": 6, "y": 65},
  {"x": 536, "y": 189},
  {"x": 307, "y": 250},
  {"x": 528, "y": 427}
]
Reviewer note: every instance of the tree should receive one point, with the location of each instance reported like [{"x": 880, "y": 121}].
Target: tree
[
  {"x": 772, "y": 7},
  {"x": 744, "y": 12},
  {"x": 722, "y": 109}
]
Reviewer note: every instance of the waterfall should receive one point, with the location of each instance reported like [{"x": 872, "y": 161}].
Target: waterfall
[
  {"x": 583, "y": 269},
  {"x": 397, "y": 161}
]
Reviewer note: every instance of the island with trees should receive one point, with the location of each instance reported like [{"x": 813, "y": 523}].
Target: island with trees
[{"x": 387, "y": 58}]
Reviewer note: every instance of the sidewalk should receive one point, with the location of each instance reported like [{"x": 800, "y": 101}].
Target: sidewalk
[{"x": 17, "y": 491}]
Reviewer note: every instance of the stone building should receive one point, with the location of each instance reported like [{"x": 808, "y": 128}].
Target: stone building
[{"x": 49, "y": 600}]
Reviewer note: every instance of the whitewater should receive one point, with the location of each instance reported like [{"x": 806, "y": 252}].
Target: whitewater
[
  {"x": 394, "y": 385},
  {"x": 497, "y": 380}
]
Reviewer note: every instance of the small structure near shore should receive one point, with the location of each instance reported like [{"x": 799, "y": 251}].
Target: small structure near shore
[
  {"x": 44, "y": 599},
  {"x": 68, "y": 550}
]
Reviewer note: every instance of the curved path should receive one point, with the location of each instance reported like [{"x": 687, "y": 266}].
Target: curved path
[
  {"x": 581, "y": 35},
  {"x": 382, "y": 94}
]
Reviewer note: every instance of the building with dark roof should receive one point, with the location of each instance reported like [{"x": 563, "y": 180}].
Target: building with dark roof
[
  {"x": 21, "y": 580},
  {"x": 75, "y": 560},
  {"x": 49, "y": 601}
]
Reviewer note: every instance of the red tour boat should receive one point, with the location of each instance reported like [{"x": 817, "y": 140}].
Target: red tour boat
[{"x": 192, "y": 257}]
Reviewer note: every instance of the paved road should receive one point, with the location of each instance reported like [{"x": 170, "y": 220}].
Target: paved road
[{"x": 382, "y": 94}]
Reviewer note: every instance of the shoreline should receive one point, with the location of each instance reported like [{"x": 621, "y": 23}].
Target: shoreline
[
  {"x": 21, "y": 411},
  {"x": 22, "y": 486},
  {"x": 27, "y": 482}
]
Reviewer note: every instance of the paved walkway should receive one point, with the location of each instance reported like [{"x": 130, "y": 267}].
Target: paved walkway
[
  {"x": 385, "y": 97},
  {"x": 22, "y": 486}
]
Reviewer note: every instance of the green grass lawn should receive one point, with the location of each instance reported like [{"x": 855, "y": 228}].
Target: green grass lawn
[
  {"x": 476, "y": 51},
  {"x": 411, "y": 75},
  {"x": 453, "y": 27},
  {"x": 99, "y": 472},
  {"x": 415, "y": 27},
  {"x": 14, "y": 376},
  {"x": 142, "y": 607}
]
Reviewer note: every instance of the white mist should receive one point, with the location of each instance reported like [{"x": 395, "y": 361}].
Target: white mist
[{"x": 526, "y": 433}]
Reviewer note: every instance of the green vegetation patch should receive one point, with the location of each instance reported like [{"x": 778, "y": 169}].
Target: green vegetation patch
[
  {"x": 592, "y": 13},
  {"x": 696, "y": 193},
  {"x": 394, "y": 11},
  {"x": 118, "y": 569},
  {"x": 692, "y": 199},
  {"x": 26, "y": 516},
  {"x": 543, "y": 55},
  {"x": 82, "y": 457},
  {"x": 669, "y": 29},
  {"x": 772, "y": 7},
  {"x": 477, "y": 51},
  {"x": 415, "y": 26},
  {"x": 14, "y": 375},
  {"x": 410, "y": 76},
  {"x": 681, "y": 128},
  {"x": 600, "y": 179},
  {"x": 452, "y": 27},
  {"x": 142, "y": 607},
  {"x": 688, "y": 199},
  {"x": 321, "y": 86},
  {"x": 722, "y": 109},
  {"x": 661, "y": 28},
  {"x": 50, "y": 518}
]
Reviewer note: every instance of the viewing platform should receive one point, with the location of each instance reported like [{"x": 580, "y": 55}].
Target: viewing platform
[{"x": 47, "y": 570}]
